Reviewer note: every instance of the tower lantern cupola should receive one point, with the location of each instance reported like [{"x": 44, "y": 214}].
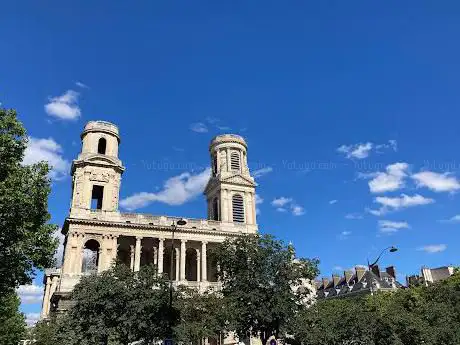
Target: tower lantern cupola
[
  {"x": 96, "y": 173},
  {"x": 230, "y": 192}
]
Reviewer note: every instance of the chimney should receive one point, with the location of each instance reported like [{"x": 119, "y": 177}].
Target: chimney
[
  {"x": 391, "y": 271},
  {"x": 348, "y": 275},
  {"x": 325, "y": 282},
  {"x": 376, "y": 270},
  {"x": 360, "y": 272},
  {"x": 335, "y": 279}
]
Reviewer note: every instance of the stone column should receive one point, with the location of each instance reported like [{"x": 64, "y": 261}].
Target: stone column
[
  {"x": 183, "y": 250},
  {"x": 114, "y": 250},
  {"x": 155, "y": 256},
  {"x": 224, "y": 209},
  {"x": 228, "y": 159},
  {"x": 137, "y": 255},
  {"x": 100, "y": 258},
  {"x": 131, "y": 251},
  {"x": 204, "y": 274},
  {"x": 54, "y": 283},
  {"x": 198, "y": 265},
  {"x": 46, "y": 298},
  {"x": 177, "y": 252},
  {"x": 161, "y": 244}
]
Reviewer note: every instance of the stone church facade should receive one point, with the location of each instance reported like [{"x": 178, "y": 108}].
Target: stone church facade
[{"x": 97, "y": 233}]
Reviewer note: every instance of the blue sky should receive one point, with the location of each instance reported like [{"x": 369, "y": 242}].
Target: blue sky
[{"x": 350, "y": 109}]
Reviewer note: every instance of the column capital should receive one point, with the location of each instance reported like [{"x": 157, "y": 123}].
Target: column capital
[
  {"x": 138, "y": 238},
  {"x": 204, "y": 242},
  {"x": 183, "y": 241}
]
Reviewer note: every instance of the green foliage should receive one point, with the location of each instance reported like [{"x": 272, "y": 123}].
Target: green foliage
[
  {"x": 44, "y": 333},
  {"x": 258, "y": 274},
  {"x": 420, "y": 315},
  {"x": 202, "y": 315},
  {"x": 117, "y": 307},
  {"x": 26, "y": 240},
  {"x": 12, "y": 323}
]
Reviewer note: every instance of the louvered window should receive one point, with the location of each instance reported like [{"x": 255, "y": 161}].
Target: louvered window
[
  {"x": 238, "y": 208},
  {"x": 235, "y": 161}
]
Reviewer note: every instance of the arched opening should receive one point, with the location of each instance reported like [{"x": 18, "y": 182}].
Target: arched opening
[
  {"x": 101, "y": 146},
  {"x": 215, "y": 209},
  {"x": 235, "y": 161},
  {"x": 191, "y": 273},
  {"x": 90, "y": 260},
  {"x": 238, "y": 208}
]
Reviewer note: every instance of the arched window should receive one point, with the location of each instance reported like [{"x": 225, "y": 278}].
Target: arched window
[
  {"x": 238, "y": 208},
  {"x": 101, "y": 146},
  {"x": 215, "y": 209},
  {"x": 90, "y": 257},
  {"x": 235, "y": 161}
]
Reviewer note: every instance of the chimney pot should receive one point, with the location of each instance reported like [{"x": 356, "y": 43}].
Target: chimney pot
[
  {"x": 376, "y": 270},
  {"x": 391, "y": 271},
  {"x": 325, "y": 282},
  {"x": 360, "y": 272},
  {"x": 335, "y": 279}
]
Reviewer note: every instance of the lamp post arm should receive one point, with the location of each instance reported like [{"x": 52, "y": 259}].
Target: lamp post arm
[{"x": 378, "y": 258}]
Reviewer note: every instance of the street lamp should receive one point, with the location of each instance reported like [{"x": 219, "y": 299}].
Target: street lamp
[
  {"x": 180, "y": 222},
  {"x": 391, "y": 249}
]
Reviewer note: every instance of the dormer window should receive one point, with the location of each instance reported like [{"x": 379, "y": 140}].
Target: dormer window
[{"x": 101, "y": 146}]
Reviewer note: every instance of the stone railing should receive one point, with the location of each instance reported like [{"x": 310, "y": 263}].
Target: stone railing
[{"x": 162, "y": 221}]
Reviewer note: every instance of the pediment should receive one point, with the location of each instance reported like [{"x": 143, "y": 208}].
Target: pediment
[
  {"x": 103, "y": 159},
  {"x": 98, "y": 160},
  {"x": 233, "y": 179},
  {"x": 239, "y": 180}
]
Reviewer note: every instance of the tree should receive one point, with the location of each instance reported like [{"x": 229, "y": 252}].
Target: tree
[
  {"x": 419, "y": 315},
  {"x": 202, "y": 315},
  {"x": 12, "y": 323},
  {"x": 44, "y": 332},
  {"x": 117, "y": 307},
  {"x": 26, "y": 238},
  {"x": 263, "y": 284}
]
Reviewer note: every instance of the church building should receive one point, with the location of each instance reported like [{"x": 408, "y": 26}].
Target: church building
[{"x": 97, "y": 233}]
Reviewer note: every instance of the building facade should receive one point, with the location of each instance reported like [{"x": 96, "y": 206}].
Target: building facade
[
  {"x": 97, "y": 233},
  {"x": 430, "y": 275}
]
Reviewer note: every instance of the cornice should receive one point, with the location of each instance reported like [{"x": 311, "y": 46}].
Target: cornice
[{"x": 163, "y": 228}]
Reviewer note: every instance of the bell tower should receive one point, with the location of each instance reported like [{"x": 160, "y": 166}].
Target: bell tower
[
  {"x": 96, "y": 173},
  {"x": 230, "y": 192}
]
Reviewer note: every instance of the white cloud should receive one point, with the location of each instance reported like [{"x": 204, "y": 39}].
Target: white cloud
[
  {"x": 64, "y": 107},
  {"x": 358, "y": 151},
  {"x": 176, "y": 191},
  {"x": 261, "y": 172},
  {"x": 280, "y": 202},
  {"x": 392, "y": 144},
  {"x": 392, "y": 179},
  {"x": 388, "y": 226},
  {"x": 454, "y": 219},
  {"x": 47, "y": 150},
  {"x": 32, "y": 318},
  {"x": 199, "y": 127},
  {"x": 436, "y": 182},
  {"x": 297, "y": 210},
  {"x": 332, "y": 202},
  {"x": 30, "y": 294},
  {"x": 397, "y": 203},
  {"x": 433, "y": 248},
  {"x": 344, "y": 235},
  {"x": 223, "y": 128},
  {"x": 82, "y": 85},
  {"x": 353, "y": 216},
  {"x": 58, "y": 256},
  {"x": 259, "y": 200}
]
